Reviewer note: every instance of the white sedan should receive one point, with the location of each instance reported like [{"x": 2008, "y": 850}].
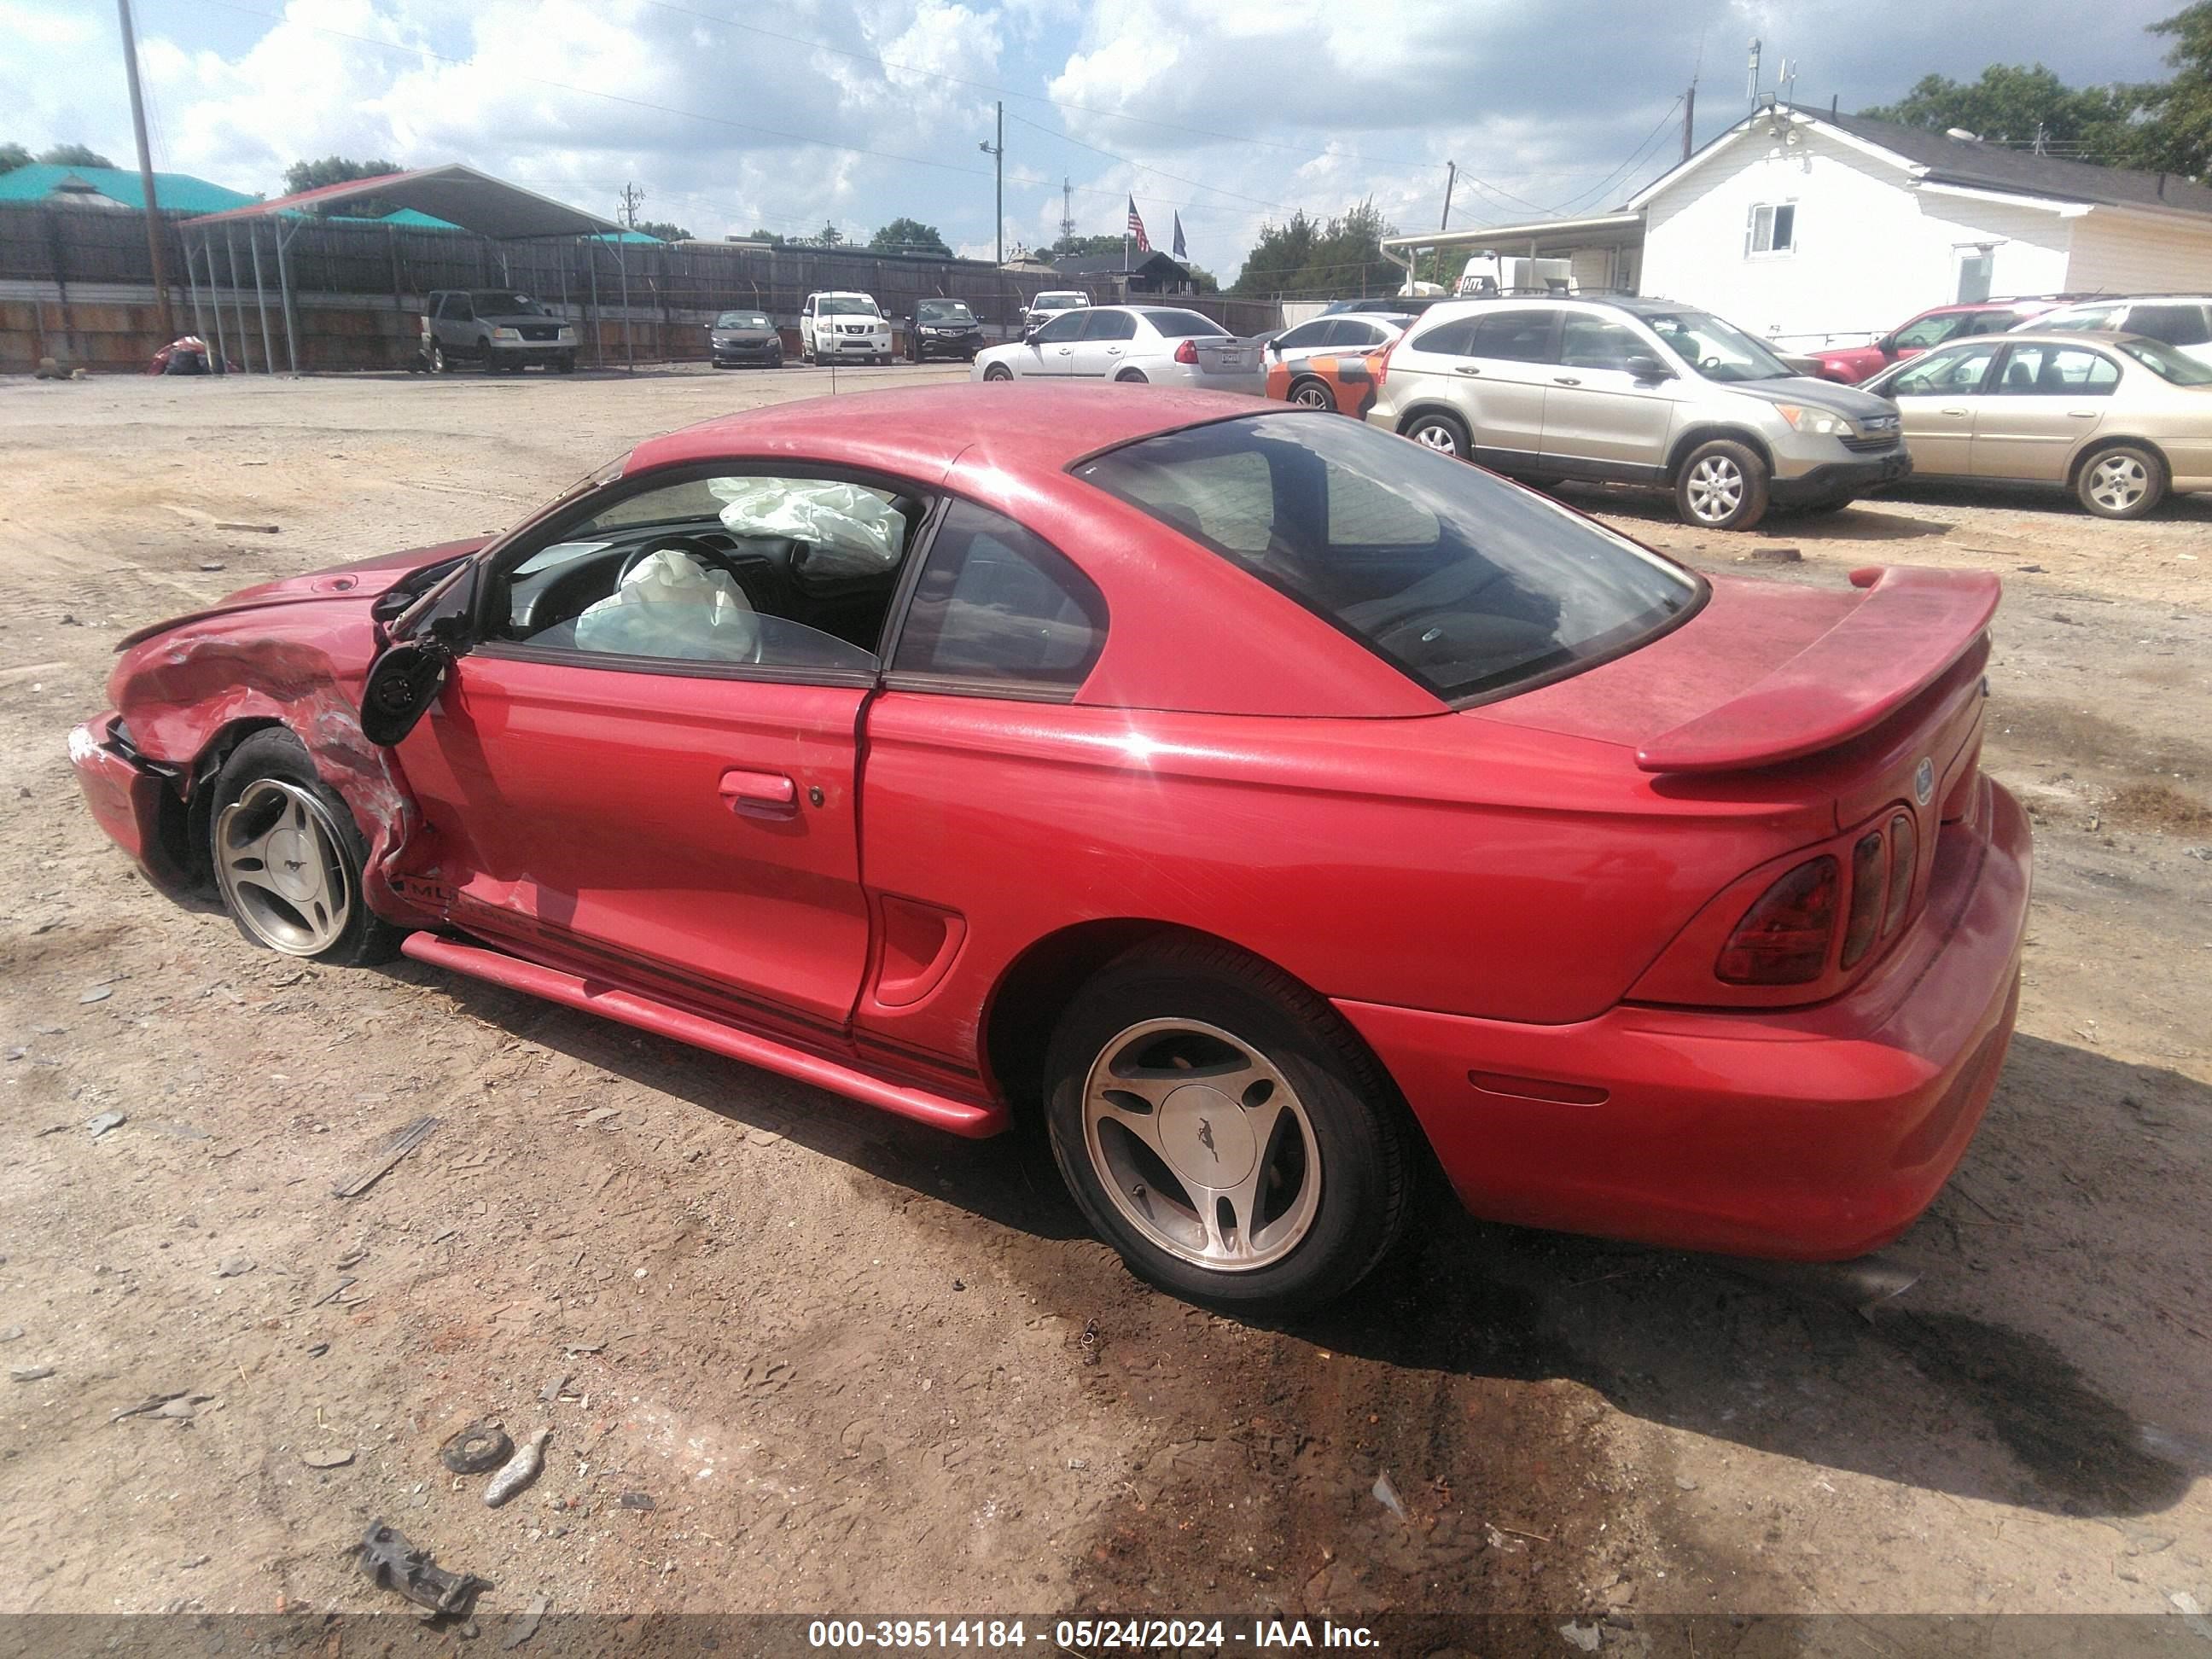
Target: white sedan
[{"x": 1159, "y": 344}]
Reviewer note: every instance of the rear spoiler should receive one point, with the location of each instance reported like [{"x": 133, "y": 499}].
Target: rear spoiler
[{"x": 1908, "y": 631}]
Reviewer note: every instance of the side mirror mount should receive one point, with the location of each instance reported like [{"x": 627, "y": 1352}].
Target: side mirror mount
[
  {"x": 402, "y": 682},
  {"x": 1888, "y": 346},
  {"x": 1650, "y": 369}
]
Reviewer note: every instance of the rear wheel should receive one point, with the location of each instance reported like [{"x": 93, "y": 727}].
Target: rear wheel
[
  {"x": 438, "y": 365},
  {"x": 2124, "y": 482},
  {"x": 1133, "y": 377},
  {"x": 1221, "y": 1128},
  {"x": 288, "y": 857},
  {"x": 1311, "y": 393},
  {"x": 1721, "y": 485},
  {"x": 998, "y": 372},
  {"x": 1445, "y": 434}
]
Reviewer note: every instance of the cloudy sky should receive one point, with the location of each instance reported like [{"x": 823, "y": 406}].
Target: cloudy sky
[{"x": 731, "y": 115}]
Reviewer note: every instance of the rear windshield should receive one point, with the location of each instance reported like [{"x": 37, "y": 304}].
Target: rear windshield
[
  {"x": 2163, "y": 360},
  {"x": 1468, "y": 585},
  {"x": 1182, "y": 324}
]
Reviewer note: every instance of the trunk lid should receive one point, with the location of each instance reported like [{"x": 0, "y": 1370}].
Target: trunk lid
[{"x": 1217, "y": 356}]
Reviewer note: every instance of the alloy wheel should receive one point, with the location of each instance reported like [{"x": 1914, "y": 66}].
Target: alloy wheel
[
  {"x": 278, "y": 859},
  {"x": 2117, "y": 480},
  {"x": 1314, "y": 395},
  {"x": 1716, "y": 489},
  {"x": 1203, "y": 1143},
  {"x": 1438, "y": 437}
]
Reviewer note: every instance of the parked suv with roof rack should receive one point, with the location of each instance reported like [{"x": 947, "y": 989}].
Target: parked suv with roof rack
[
  {"x": 2183, "y": 321},
  {"x": 1636, "y": 391}
]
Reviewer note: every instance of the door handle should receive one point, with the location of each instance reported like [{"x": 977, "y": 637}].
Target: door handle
[
  {"x": 2081, "y": 414},
  {"x": 1067, "y": 351},
  {"x": 1112, "y": 351},
  {"x": 1565, "y": 380},
  {"x": 1950, "y": 411},
  {"x": 759, "y": 795},
  {"x": 1465, "y": 368}
]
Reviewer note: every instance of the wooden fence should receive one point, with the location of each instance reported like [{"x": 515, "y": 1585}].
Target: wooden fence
[{"x": 360, "y": 286}]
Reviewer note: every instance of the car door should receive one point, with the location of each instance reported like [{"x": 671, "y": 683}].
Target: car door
[
  {"x": 1104, "y": 347},
  {"x": 1936, "y": 395},
  {"x": 2039, "y": 406},
  {"x": 1505, "y": 372},
  {"x": 806, "y": 324},
  {"x": 1051, "y": 351},
  {"x": 642, "y": 799},
  {"x": 456, "y": 325},
  {"x": 1608, "y": 413}
]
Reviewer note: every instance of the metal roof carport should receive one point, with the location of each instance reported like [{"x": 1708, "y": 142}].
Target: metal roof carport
[
  {"x": 1616, "y": 233},
  {"x": 459, "y": 195}
]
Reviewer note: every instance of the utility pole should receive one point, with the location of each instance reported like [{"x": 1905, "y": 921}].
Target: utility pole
[
  {"x": 633, "y": 199},
  {"x": 168, "y": 322},
  {"x": 1689, "y": 117},
  {"x": 997, "y": 152},
  {"x": 1451, "y": 178},
  {"x": 1066, "y": 207}
]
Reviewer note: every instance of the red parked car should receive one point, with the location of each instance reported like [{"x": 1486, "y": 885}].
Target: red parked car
[
  {"x": 1851, "y": 364},
  {"x": 1266, "y": 802}
]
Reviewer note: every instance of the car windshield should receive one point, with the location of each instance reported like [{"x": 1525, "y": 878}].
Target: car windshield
[
  {"x": 1182, "y": 324},
  {"x": 1058, "y": 302},
  {"x": 1718, "y": 350},
  {"x": 2163, "y": 360},
  {"x": 742, "y": 319},
  {"x": 845, "y": 305},
  {"x": 944, "y": 311},
  {"x": 1467, "y": 584},
  {"x": 500, "y": 303}
]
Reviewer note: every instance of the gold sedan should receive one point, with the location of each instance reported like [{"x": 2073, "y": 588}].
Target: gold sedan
[{"x": 2121, "y": 420}]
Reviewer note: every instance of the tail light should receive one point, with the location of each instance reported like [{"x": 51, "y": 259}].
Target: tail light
[
  {"x": 1379, "y": 364},
  {"x": 1867, "y": 898},
  {"x": 1903, "y": 854},
  {"x": 1187, "y": 352},
  {"x": 1783, "y": 938}
]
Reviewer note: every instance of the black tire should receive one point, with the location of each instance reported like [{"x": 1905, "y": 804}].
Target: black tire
[
  {"x": 438, "y": 361},
  {"x": 1132, "y": 377},
  {"x": 1721, "y": 485},
  {"x": 2120, "y": 481},
  {"x": 777, "y": 361},
  {"x": 1445, "y": 434},
  {"x": 1310, "y": 392},
  {"x": 998, "y": 372},
  {"x": 565, "y": 364},
  {"x": 1360, "y": 1156},
  {"x": 277, "y": 756}
]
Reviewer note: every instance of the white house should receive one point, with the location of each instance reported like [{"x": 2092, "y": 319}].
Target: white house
[{"x": 1810, "y": 227}]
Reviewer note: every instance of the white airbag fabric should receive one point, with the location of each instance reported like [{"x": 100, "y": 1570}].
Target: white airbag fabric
[
  {"x": 848, "y": 531},
  {"x": 671, "y": 606}
]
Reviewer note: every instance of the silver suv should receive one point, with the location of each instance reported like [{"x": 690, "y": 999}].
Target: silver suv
[
  {"x": 1637, "y": 391},
  {"x": 496, "y": 327}
]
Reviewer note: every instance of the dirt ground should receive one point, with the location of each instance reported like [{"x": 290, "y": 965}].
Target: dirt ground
[{"x": 797, "y": 1355}]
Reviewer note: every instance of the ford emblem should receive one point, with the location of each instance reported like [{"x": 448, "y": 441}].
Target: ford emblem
[{"x": 1923, "y": 780}]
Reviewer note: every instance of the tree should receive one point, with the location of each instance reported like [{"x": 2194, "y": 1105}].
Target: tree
[
  {"x": 2022, "y": 107},
  {"x": 904, "y": 235},
  {"x": 1077, "y": 247},
  {"x": 663, "y": 228},
  {"x": 341, "y": 170},
  {"x": 13, "y": 156},
  {"x": 75, "y": 155},
  {"x": 773, "y": 238},
  {"x": 2176, "y": 134},
  {"x": 1308, "y": 257}
]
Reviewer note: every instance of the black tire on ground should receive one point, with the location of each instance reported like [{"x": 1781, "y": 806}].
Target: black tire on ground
[
  {"x": 1133, "y": 377},
  {"x": 566, "y": 362},
  {"x": 1445, "y": 434},
  {"x": 998, "y": 372},
  {"x": 277, "y": 754},
  {"x": 2120, "y": 481},
  {"x": 1362, "y": 1144},
  {"x": 1309, "y": 392},
  {"x": 438, "y": 365},
  {"x": 1721, "y": 485}
]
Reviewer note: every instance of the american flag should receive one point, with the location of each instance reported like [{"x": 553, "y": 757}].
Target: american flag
[{"x": 1137, "y": 229}]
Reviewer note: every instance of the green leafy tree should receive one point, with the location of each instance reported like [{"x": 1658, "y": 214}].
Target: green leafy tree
[
  {"x": 13, "y": 156},
  {"x": 1310, "y": 258},
  {"x": 2022, "y": 107},
  {"x": 904, "y": 235},
  {"x": 343, "y": 170},
  {"x": 74, "y": 155},
  {"x": 2175, "y": 134},
  {"x": 1079, "y": 247},
  {"x": 665, "y": 229},
  {"x": 773, "y": 238}
]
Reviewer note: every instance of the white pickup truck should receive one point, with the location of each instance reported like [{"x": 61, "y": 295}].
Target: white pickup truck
[{"x": 843, "y": 328}]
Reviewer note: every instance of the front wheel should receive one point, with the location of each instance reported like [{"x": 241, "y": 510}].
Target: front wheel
[
  {"x": 287, "y": 857},
  {"x": 2124, "y": 482},
  {"x": 998, "y": 372},
  {"x": 438, "y": 365},
  {"x": 565, "y": 363},
  {"x": 1445, "y": 434},
  {"x": 1223, "y": 1130},
  {"x": 1721, "y": 486}
]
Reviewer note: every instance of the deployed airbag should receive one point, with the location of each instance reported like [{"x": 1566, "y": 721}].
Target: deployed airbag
[
  {"x": 670, "y": 604},
  {"x": 848, "y": 530}
]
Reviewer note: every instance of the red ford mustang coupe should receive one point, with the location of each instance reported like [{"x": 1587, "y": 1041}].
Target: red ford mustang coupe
[{"x": 1267, "y": 803}]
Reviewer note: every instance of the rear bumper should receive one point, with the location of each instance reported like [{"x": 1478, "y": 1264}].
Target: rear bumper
[
  {"x": 1831, "y": 476},
  {"x": 126, "y": 797},
  {"x": 1814, "y": 1134}
]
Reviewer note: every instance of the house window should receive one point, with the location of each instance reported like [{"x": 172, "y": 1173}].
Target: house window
[{"x": 1772, "y": 229}]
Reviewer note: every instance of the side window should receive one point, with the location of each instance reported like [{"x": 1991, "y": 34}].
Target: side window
[
  {"x": 1958, "y": 372},
  {"x": 1988, "y": 322},
  {"x": 1930, "y": 331},
  {"x": 2088, "y": 318},
  {"x": 1771, "y": 228},
  {"x": 1520, "y": 336},
  {"x": 1067, "y": 327},
  {"x": 998, "y": 605},
  {"x": 2176, "y": 325},
  {"x": 2056, "y": 371},
  {"x": 457, "y": 309},
  {"x": 1452, "y": 339},
  {"x": 1109, "y": 325},
  {"x": 1305, "y": 334},
  {"x": 1587, "y": 342}
]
